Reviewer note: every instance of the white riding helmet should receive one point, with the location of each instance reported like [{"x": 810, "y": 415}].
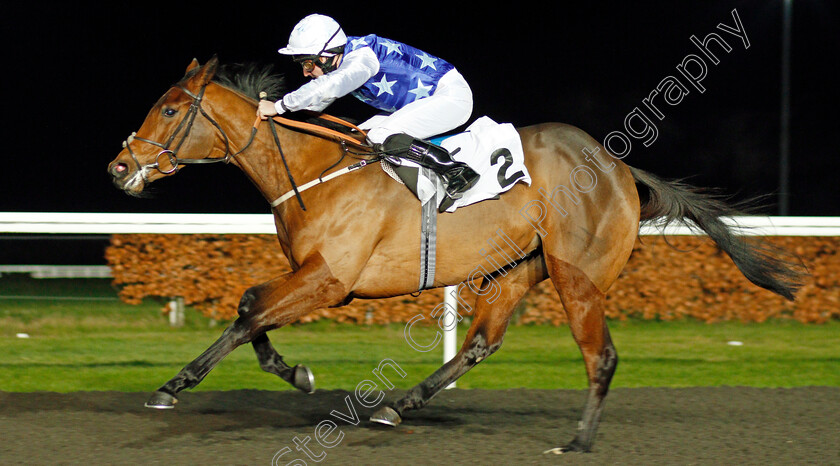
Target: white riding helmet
[{"x": 315, "y": 35}]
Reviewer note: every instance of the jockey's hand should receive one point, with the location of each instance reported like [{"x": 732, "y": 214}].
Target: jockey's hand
[{"x": 266, "y": 109}]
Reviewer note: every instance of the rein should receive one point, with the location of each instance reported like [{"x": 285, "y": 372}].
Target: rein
[
  {"x": 195, "y": 108},
  {"x": 322, "y": 131}
]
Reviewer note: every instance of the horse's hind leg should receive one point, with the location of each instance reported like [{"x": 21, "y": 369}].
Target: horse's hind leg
[
  {"x": 584, "y": 305},
  {"x": 299, "y": 376},
  {"x": 492, "y": 314},
  {"x": 262, "y": 308}
]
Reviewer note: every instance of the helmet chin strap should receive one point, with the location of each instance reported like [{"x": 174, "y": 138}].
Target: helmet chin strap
[{"x": 330, "y": 65}]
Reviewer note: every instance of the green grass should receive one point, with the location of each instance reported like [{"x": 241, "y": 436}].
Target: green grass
[{"x": 107, "y": 345}]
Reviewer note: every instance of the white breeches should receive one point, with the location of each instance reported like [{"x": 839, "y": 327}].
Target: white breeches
[{"x": 449, "y": 107}]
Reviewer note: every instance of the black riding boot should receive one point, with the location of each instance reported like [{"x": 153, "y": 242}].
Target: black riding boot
[{"x": 458, "y": 177}]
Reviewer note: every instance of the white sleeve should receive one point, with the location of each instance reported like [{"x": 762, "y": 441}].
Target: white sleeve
[{"x": 356, "y": 67}]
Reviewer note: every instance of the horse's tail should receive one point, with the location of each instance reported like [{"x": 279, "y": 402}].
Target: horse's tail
[{"x": 762, "y": 263}]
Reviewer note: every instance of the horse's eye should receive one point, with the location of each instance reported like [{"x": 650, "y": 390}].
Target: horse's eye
[{"x": 169, "y": 112}]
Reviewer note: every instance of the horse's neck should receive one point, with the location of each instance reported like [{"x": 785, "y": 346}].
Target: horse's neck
[{"x": 307, "y": 156}]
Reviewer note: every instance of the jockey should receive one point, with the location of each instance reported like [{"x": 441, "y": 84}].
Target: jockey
[{"x": 420, "y": 95}]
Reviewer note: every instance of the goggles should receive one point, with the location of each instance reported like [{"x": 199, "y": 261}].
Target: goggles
[
  {"x": 308, "y": 65},
  {"x": 308, "y": 62}
]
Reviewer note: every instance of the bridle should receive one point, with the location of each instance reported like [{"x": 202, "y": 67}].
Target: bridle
[{"x": 185, "y": 125}]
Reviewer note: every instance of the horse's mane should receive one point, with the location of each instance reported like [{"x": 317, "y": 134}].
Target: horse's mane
[{"x": 251, "y": 79}]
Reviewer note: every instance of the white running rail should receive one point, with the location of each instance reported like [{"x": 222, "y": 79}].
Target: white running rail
[{"x": 110, "y": 223}]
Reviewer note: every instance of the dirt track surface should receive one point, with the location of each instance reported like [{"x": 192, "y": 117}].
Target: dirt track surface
[{"x": 640, "y": 426}]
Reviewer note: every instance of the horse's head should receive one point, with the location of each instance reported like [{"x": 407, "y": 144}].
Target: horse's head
[{"x": 176, "y": 131}]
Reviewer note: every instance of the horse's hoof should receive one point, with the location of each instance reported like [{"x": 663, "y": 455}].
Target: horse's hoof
[
  {"x": 161, "y": 400},
  {"x": 386, "y": 415},
  {"x": 575, "y": 445},
  {"x": 303, "y": 379}
]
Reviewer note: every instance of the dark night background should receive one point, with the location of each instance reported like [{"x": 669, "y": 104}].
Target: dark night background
[{"x": 79, "y": 78}]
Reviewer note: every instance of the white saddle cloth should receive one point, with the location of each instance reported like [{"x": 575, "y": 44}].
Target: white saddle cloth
[{"x": 492, "y": 149}]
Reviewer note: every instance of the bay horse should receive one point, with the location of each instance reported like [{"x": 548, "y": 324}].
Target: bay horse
[{"x": 359, "y": 238}]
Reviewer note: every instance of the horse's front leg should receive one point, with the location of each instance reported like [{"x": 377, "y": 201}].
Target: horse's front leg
[
  {"x": 270, "y": 360},
  {"x": 194, "y": 372},
  {"x": 262, "y": 308}
]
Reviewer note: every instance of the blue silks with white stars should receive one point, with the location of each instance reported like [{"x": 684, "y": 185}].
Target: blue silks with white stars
[{"x": 405, "y": 73}]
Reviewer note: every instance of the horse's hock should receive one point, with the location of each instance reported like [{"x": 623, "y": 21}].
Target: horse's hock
[{"x": 666, "y": 279}]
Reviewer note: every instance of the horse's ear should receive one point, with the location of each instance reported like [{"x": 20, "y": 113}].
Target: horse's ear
[
  {"x": 206, "y": 73},
  {"x": 193, "y": 65}
]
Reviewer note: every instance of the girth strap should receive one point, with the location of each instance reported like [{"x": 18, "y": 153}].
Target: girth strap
[{"x": 428, "y": 235}]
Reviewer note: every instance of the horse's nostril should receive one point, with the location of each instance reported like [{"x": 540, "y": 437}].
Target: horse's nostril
[{"x": 119, "y": 170}]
